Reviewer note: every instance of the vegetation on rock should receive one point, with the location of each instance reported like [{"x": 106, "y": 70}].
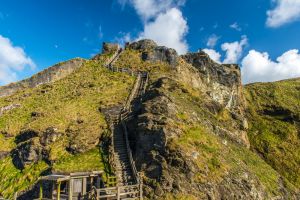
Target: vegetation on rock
[{"x": 274, "y": 116}]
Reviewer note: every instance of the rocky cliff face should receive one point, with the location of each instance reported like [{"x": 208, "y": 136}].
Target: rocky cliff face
[
  {"x": 48, "y": 75},
  {"x": 190, "y": 133},
  {"x": 222, "y": 83}
]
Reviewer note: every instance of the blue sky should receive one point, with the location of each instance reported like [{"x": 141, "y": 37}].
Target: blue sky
[{"x": 261, "y": 35}]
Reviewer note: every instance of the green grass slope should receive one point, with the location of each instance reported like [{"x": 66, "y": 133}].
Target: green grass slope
[
  {"x": 274, "y": 116},
  {"x": 70, "y": 106}
]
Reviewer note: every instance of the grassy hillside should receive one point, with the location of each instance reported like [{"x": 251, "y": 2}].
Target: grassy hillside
[
  {"x": 274, "y": 116},
  {"x": 71, "y": 107}
]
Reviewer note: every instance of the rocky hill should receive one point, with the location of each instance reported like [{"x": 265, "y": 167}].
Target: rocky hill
[{"x": 198, "y": 134}]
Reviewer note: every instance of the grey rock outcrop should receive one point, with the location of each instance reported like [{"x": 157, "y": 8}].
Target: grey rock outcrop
[
  {"x": 221, "y": 82},
  {"x": 26, "y": 153},
  {"x": 108, "y": 48},
  {"x": 154, "y": 53},
  {"x": 162, "y": 54},
  {"x": 32, "y": 146},
  {"x": 141, "y": 45},
  {"x": 49, "y": 136},
  {"x": 48, "y": 75}
]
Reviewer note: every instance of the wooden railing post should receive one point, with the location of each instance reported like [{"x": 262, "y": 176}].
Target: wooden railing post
[
  {"x": 141, "y": 190},
  {"x": 70, "y": 196},
  {"x": 41, "y": 190},
  {"x": 118, "y": 193},
  {"x": 84, "y": 184},
  {"x": 98, "y": 194},
  {"x": 58, "y": 190}
]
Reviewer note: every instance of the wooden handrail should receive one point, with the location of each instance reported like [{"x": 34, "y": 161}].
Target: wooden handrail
[{"x": 137, "y": 90}]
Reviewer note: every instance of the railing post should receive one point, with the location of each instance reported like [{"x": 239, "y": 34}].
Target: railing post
[
  {"x": 70, "y": 195},
  {"x": 58, "y": 190},
  {"x": 16, "y": 196},
  {"x": 118, "y": 193},
  {"x": 41, "y": 191},
  {"x": 141, "y": 190},
  {"x": 84, "y": 184},
  {"x": 98, "y": 194}
]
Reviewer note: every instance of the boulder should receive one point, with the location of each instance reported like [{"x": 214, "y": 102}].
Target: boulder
[
  {"x": 161, "y": 54},
  {"x": 108, "y": 48},
  {"x": 49, "y": 136},
  {"x": 26, "y": 153},
  {"x": 32, "y": 146},
  {"x": 154, "y": 53},
  {"x": 141, "y": 45}
]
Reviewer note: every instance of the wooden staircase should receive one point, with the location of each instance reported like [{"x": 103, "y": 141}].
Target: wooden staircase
[
  {"x": 129, "y": 182},
  {"x": 123, "y": 166}
]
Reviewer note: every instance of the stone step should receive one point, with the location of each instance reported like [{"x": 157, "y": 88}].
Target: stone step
[{"x": 120, "y": 146}]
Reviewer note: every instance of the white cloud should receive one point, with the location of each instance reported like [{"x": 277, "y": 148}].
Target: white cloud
[
  {"x": 214, "y": 55},
  {"x": 148, "y": 9},
  {"x": 123, "y": 38},
  {"x": 163, "y": 22},
  {"x": 285, "y": 11},
  {"x": 212, "y": 40},
  {"x": 235, "y": 26},
  {"x": 13, "y": 59},
  {"x": 258, "y": 67},
  {"x": 168, "y": 29},
  {"x": 234, "y": 50}
]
